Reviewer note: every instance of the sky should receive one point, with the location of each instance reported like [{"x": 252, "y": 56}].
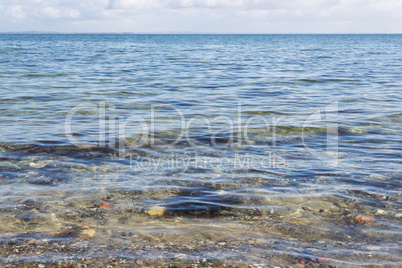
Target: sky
[{"x": 202, "y": 16}]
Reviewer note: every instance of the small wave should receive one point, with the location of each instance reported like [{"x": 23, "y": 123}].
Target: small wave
[
  {"x": 46, "y": 75},
  {"x": 49, "y": 147}
]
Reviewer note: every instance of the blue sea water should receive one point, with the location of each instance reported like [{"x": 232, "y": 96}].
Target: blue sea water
[{"x": 303, "y": 132}]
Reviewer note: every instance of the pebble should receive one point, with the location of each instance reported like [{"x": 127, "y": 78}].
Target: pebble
[
  {"x": 399, "y": 215},
  {"x": 378, "y": 177},
  {"x": 298, "y": 214},
  {"x": 363, "y": 220},
  {"x": 381, "y": 212},
  {"x": 341, "y": 204},
  {"x": 82, "y": 232},
  {"x": 156, "y": 211},
  {"x": 38, "y": 165},
  {"x": 373, "y": 248},
  {"x": 319, "y": 206},
  {"x": 86, "y": 234}
]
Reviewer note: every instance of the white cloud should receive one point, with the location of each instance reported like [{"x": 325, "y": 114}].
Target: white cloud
[
  {"x": 15, "y": 12},
  {"x": 213, "y": 4},
  {"x": 133, "y": 4},
  {"x": 50, "y": 12},
  {"x": 253, "y": 16},
  {"x": 75, "y": 13}
]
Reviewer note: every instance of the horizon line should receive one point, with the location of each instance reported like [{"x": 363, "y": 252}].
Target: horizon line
[{"x": 185, "y": 33}]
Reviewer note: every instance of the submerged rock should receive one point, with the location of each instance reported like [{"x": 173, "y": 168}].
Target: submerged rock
[
  {"x": 361, "y": 219},
  {"x": 197, "y": 204},
  {"x": 35, "y": 217},
  {"x": 82, "y": 232},
  {"x": 156, "y": 211},
  {"x": 86, "y": 234},
  {"x": 319, "y": 206},
  {"x": 39, "y": 164},
  {"x": 399, "y": 215},
  {"x": 378, "y": 177}
]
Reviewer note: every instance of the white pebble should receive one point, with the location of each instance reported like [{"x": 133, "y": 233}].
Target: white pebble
[{"x": 381, "y": 212}]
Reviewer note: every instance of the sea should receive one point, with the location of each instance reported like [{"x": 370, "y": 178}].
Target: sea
[{"x": 200, "y": 150}]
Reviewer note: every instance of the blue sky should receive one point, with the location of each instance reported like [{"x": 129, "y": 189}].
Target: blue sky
[{"x": 202, "y": 16}]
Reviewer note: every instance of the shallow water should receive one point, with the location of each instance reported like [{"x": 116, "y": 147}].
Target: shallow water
[{"x": 188, "y": 149}]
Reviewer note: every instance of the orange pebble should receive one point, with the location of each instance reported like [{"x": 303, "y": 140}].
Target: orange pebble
[{"x": 105, "y": 205}]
